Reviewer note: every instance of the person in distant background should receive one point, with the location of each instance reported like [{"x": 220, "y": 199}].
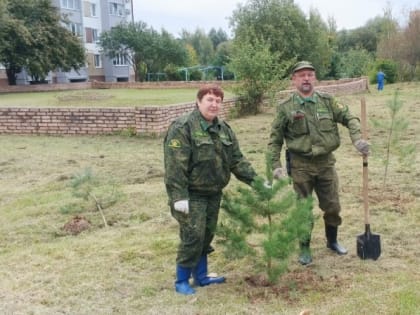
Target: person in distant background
[
  {"x": 200, "y": 153},
  {"x": 307, "y": 122},
  {"x": 380, "y": 78}
]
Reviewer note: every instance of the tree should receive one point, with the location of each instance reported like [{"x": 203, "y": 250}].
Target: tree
[
  {"x": 217, "y": 37},
  {"x": 202, "y": 44},
  {"x": 412, "y": 45},
  {"x": 145, "y": 49},
  {"x": 133, "y": 41},
  {"x": 266, "y": 223},
  {"x": 395, "y": 128},
  {"x": 280, "y": 24},
  {"x": 222, "y": 58},
  {"x": 321, "y": 50},
  {"x": 354, "y": 63},
  {"x": 270, "y": 35},
  {"x": 259, "y": 74},
  {"x": 34, "y": 38},
  {"x": 3, "y": 21}
]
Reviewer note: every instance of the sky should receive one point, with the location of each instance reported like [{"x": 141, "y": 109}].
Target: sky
[{"x": 176, "y": 15}]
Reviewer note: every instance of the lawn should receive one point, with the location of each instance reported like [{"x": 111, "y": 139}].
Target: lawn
[
  {"x": 128, "y": 266},
  {"x": 101, "y": 98}
]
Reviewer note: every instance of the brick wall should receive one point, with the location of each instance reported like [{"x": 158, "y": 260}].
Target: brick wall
[{"x": 145, "y": 120}]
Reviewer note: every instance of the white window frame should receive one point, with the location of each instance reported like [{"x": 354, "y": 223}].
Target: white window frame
[
  {"x": 120, "y": 60},
  {"x": 75, "y": 28},
  {"x": 71, "y": 4}
]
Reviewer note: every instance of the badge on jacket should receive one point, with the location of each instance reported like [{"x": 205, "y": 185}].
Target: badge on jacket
[{"x": 174, "y": 143}]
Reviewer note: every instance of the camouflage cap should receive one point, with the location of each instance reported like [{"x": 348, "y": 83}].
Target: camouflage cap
[{"x": 302, "y": 65}]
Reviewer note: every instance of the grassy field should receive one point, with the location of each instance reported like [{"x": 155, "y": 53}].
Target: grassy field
[
  {"x": 129, "y": 266},
  {"x": 101, "y": 98}
]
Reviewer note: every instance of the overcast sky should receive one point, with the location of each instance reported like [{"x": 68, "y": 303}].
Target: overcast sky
[{"x": 175, "y": 15}]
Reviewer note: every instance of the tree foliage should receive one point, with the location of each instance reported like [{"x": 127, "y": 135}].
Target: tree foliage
[
  {"x": 259, "y": 74},
  {"x": 265, "y": 223},
  {"x": 33, "y": 38},
  {"x": 146, "y": 50},
  {"x": 202, "y": 44},
  {"x": 92, "y": 193},
  {"x": 217, "y": 37},
  {"x": 259, "y": 57}
]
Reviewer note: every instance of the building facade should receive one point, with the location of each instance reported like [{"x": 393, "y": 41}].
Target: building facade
[{"x": 87, "y": 20}]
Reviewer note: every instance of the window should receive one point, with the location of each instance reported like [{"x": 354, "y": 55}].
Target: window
[
  {"x": 116, "y": 9},
  {"x": 98, "y": 61},
  {"x": 75, "y": 28},
  {"x": 95, "y": 35},
  {"x": 92, "y": 35},
  {"x": 70, "y": 4},
  {"x": 120, "y": 60},
  {"x": 93, "y": 10}
]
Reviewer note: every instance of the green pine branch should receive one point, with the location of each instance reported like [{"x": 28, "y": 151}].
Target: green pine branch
[
  {"x": 275, "y": 217},
  {"x": 394, "y": 128}
]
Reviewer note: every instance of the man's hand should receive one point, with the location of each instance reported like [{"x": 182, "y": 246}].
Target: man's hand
[
  {"x": 362, "y": 146},
  {"x": 278, "y": 173},
  {"x": 182, "y": 206}
]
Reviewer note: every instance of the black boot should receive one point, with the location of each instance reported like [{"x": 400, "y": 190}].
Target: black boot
[
  {"x": 331, "y": 233},
  {"x": 305, "y": 257}
]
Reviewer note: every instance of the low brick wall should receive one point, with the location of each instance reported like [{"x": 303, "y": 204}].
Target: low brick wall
[
  {"x": 144, "y": 120},
  {"x": 92, "y": 121}
]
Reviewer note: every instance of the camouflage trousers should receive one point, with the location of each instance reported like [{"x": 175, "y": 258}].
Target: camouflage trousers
[
  {"x": 197, "y": 228},
  {"x": 318, "y": 174}
]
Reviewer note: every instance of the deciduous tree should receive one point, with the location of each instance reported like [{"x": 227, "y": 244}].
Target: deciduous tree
[
  {"x": 147, "y": 50},
  {"x": 33, "y": 37}
]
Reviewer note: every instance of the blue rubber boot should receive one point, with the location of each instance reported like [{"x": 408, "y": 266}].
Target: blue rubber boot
[
  {"x": 200, "y": 274},
  {"x": 181, "y": 284}
]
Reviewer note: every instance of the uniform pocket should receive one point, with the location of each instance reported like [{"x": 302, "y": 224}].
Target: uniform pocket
[
  {"x": 326, "y": 123},
  {"x": 298, "y": 125},
  {"x": 205, "y": 150}
]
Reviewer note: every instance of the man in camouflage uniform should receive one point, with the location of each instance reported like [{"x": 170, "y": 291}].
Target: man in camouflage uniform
[
  {"x": 200, "y": 152},
  {"x": 307, "y": 123}
]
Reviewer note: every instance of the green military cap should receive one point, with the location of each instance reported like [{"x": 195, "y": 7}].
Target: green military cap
[{"x": 302, "y": 65}]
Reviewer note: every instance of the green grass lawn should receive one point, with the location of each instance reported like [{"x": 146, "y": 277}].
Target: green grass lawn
[
  {"x": 101, "y": 98},
  {"x": 129, "y": 266}
]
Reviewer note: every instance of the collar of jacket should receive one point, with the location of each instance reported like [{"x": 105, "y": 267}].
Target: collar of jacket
[
  {"x": 205, "y": 126},
  {"x": 301, "y": 100}
]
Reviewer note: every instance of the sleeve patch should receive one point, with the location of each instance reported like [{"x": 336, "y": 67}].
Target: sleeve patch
[{"x": 174, "y": 143}]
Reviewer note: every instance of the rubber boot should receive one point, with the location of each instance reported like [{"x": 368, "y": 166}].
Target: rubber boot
[
  {"x": 305, "y": 257},
  {"x": 331, "y": 234},
  {"x": 200, "y": 276},
  {"x": 181, "y": 284}
]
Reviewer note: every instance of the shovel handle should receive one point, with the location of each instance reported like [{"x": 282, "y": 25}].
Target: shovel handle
[{"x": 365, "y": 161}]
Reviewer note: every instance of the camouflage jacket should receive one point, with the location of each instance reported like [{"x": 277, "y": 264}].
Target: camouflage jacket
[
  {"x": 199, "y": 157},
  {"x": 309, "y": 126}
]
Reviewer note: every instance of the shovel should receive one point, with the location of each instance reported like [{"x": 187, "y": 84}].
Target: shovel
[{"x": 368, "y": 244}]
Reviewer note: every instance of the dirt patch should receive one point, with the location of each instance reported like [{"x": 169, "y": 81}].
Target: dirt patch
[
  {"x": 391, "y": 199},
  {"x": 76, "y": 225},
  {"x": 290, "y": 286}
]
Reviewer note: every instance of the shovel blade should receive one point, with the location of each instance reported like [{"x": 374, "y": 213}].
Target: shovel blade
[{"x": 369, "y": 246}]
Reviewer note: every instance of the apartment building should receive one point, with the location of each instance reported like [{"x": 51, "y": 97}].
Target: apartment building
[{"x": 87, "y": 20}]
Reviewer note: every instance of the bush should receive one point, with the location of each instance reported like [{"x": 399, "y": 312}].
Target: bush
[{"x": 389, "y": 67}]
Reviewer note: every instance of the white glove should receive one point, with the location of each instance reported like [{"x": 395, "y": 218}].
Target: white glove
[
  {"x": 268, "y": 185},
  {"x": 278, "y": 173},
  {"x": 362, "y": 146},
  {"x": 182, "y": 206}
]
